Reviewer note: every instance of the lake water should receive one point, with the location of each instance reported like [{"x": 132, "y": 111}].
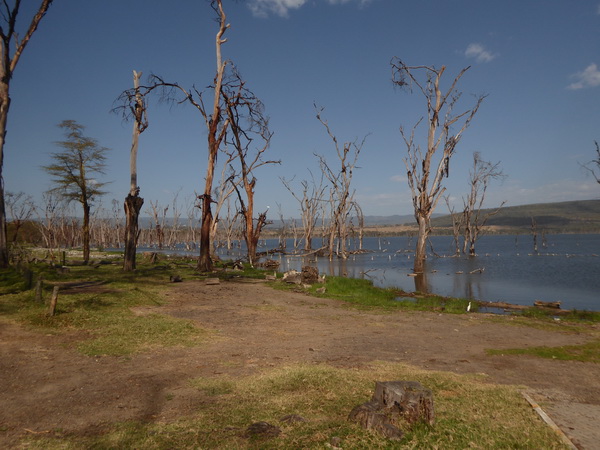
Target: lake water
[{"x": 566, "y": 269}]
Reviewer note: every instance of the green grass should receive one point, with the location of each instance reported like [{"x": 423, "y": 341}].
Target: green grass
[
  {"x": 589, "y": 352},
  {"x": 13, "y": 281},
  {"x": 363, "y": 295},
  {"x": 104, "y": 311},
  {"x": 469, "y": 414},
  {"x": 573, "y": 315}
]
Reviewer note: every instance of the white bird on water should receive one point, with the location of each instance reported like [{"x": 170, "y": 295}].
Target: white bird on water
[{"x": 469, "y": 307}]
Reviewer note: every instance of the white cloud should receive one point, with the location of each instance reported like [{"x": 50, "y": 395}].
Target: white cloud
[
  {"x": 590, "y": 77},
  {"x": 263, "y": 8},
  {"x": 479, "y": 52},
  {"x": 399, "y": 178},
  {"x": 360, "y": 2}
]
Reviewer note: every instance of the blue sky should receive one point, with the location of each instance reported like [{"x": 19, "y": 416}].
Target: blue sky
[{"x": 537, "y": 62}]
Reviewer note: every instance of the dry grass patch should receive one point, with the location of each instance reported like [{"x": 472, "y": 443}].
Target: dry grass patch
[{"x": 470, "y": 414}]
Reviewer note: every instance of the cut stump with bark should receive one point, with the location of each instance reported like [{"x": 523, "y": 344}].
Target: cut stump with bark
[
  {"x": 395, "y": 403},
  {"x": 310, "y": 275}
]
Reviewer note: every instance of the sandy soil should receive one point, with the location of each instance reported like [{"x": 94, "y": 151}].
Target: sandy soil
[{"x": 47, "y": 387}]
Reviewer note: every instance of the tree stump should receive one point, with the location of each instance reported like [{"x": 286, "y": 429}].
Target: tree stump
[
  {"x": 395, "y": 403},
  {"x": 310, "y": 275},
  {"x": 292, "y": 277}
]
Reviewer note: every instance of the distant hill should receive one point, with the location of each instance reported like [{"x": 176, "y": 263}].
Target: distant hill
[{"x": 565, "y": 217}]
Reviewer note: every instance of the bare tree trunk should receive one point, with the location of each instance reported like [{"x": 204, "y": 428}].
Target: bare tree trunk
[
  {"x": 214, "y": 142},
  {"x": 534, "y": 233},
  {"x": 421, "y": 248},
  {"x": 85, "y": 233},
  {"x": 4, "y": 106},
  {"x": 133, "y": 206},
  {"x": 8, "y": 64},
  {"x": 133, "y": 201}
]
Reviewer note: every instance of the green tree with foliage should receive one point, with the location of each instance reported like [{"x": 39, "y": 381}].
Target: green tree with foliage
[{"x": 74, "y": 170}]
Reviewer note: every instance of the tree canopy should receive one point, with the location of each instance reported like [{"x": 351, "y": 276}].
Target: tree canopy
[{"x": 76, "y": 167}]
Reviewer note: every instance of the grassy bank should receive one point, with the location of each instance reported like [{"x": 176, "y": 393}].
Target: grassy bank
[
  {"x": 470, "y": 414},
  {"x": 98, "y": 304}
]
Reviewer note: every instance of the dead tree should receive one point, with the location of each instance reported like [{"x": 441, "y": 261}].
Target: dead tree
[
  {"x": 223, "y": 192},
  {"x": 594, "y": 165},
  {"x": 427, "y": 168},
  {"x": 361, "y": 223},
  {"x": 10, "y": 42},
  {"x": 249, "y": 138},
  {"x": 117, "y": 221},
  {"x": 158, "y": 214},
  {"x": 133, "y": 105},
  {"x": 283, "y": 229},
  {"x": 457, "y": 225},
  {"x": 310, "y": 204},
  {"x": 216, "y": 123},
  {"x": 341, "y": 195},
  {"x": 20, "y": 208},
  {"x": 48, "y": 221},
  {"x": 534, "y": 234},
  {"x": 474, "y": 220},
  {"x": 173, "y": 236},
  {"x": 192, "y": 221},
  {"x": 229, "y": 224}
]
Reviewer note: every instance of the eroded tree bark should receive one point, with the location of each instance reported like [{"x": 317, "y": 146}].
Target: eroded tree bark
[{"x": 133, "y": 201}]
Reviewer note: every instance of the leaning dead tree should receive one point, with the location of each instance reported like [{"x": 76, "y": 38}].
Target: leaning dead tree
[
  {"x": 341, "y": 196},
  {"x": 249, "y": 138},
  {"x": 427, "y": 167},
  {"x": 310, "y": 205},
  {"x": 11, "y": 49},
  {"x": 474, "y": 219},
  {"x": 133, "y": 106}
]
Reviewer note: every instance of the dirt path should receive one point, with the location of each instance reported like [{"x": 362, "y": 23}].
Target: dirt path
[{"x": 46, "y": 386}]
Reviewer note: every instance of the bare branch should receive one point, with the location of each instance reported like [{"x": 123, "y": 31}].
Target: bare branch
[{"x": 427, "y": 168}]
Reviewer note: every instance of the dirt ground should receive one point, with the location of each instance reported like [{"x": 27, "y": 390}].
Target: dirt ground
[{"x": 47, "y": 387}]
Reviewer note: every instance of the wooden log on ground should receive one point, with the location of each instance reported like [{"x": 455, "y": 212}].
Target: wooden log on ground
[{"x": 541, "y": 304}]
